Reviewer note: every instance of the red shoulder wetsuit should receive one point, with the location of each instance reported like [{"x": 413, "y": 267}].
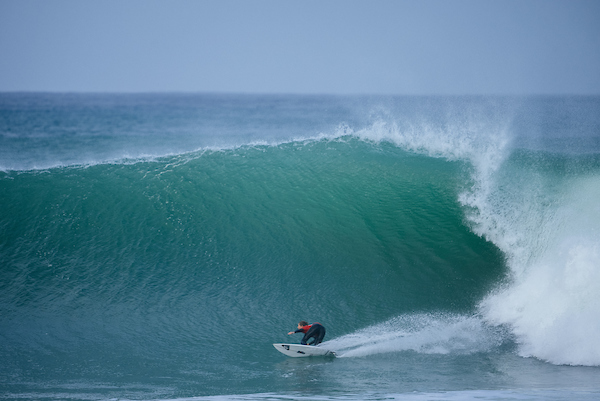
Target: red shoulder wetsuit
[{"x": 315, "y": 330}]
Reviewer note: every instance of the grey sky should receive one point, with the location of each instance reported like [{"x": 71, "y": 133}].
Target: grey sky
[{"x": 340, "y": 47}]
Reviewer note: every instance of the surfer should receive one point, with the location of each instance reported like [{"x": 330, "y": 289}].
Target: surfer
[{"x": 316, "y": 331}]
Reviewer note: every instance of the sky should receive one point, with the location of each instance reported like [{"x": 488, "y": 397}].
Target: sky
[{"x": 427, "y": 47}]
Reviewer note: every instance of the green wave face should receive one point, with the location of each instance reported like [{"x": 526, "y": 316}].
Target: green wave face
[{"x": 343, "y": 231}]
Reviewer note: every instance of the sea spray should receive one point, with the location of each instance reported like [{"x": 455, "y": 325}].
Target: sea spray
[{"x": 434, "y": 333}]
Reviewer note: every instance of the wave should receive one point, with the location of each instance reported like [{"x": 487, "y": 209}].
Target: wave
[{"x": 445, "y": 229}]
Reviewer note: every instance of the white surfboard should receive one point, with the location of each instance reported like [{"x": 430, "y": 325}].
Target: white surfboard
[{"x": 299, "y": 350}]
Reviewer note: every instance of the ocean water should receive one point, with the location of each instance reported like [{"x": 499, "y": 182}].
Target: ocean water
[{"x": 154, "y": 246}]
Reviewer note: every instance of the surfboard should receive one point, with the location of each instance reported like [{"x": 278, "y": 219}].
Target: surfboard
[{"x": 299, "y": 350}]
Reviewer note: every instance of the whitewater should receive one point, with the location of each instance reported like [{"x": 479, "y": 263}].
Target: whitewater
[
  {"x": 153, "y": 246},
  {"x": 547, "y": 225}
]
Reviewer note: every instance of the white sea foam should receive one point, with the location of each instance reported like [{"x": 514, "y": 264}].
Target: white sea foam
[
  {"x": 548, "y": 226},
  {"x": 552, "y": 300}
]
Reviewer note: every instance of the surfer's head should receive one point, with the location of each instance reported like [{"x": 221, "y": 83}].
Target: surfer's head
[{"x": 302, "y": 323}]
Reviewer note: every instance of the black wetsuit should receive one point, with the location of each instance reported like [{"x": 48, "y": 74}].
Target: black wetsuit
[{"x": 315, "y": 330}]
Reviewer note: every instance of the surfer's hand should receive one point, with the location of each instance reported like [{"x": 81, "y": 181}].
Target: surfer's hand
[{"x": 291, "y": 332}]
